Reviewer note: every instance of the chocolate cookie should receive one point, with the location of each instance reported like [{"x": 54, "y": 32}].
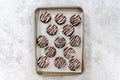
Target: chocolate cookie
[
  {"x": 69, "y": 52},
  {"x": 52, "y": 29},
  {"x": 60, "y": 19},
  {"x": 60, "y": 62},
  {"x": 60, "y": 42},
  {"x": 74, "y": 64},
  {"x": 42, "y": 41},
  {"x": 50, "y": 51},
  {"x": 68, "y": 30},
  {"x": 43, "y": 62},
  {"x": 45, "y": 17},
  {"x": 75, "y": 20},
  {"x": 75, "y": 40}
]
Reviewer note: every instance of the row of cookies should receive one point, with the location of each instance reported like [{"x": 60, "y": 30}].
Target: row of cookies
[
  {"x": 59, "y": 42},
  {"x": 68, "y": 30},
  {"x": 59, "y": 62},
  {"x": 60, "y": 18}
]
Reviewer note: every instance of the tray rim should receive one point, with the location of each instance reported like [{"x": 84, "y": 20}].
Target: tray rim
[{"x": 45, "y": 73}]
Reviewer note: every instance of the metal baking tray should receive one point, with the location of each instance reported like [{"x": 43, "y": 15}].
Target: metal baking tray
[{"x": 40, "y": 29}]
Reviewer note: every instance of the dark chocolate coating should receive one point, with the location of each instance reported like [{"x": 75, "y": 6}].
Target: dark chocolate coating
[
  {"x": 69, "y": 52},
  {"x": 45, "y": 17},
  {"x": 52, "y": 29},
  {"x": 42, "y": 41},
  {"x": 74, "y": 64},
  {"x": 50, "y": 51},
  {"x": 60, "y": 19},
  {"x": 75, "y": 20},
  {"x": 68, "y": 30},
  {"x": 75, "y": 40},
  {"x": 60, "y": 62},
  {"x": 60, "y": 42},
  {"x": 43, "y": 62}
]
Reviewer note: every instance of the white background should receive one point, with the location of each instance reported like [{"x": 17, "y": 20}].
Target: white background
[{"x": 102, "y": 30}]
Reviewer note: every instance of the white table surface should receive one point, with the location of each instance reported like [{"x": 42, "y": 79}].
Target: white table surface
[{"x": 102, "y": 30}]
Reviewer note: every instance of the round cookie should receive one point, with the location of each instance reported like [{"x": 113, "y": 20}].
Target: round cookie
[
  {"x": 43, "y": 62},
  {"x": 60, "y": 62},
  {"x": 69, "y": 52},
  {"x": 74, "y": 64},
  {"x": 45, "y": 17},
  {"x": 42, "y": 41},
  {"x": 75, "y": 40},
  {"x": 60, "y": 19},
  {"x": 68, "y": 30},
  {"x": 52, "y": 29},
  {"x": 50, "y": 51},
  {"x": 60, "y": 42},
  {"x": 75, "y": 20}
]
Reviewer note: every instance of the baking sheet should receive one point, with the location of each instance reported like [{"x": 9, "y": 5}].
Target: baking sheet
[{"x": 41, "y": 30}]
